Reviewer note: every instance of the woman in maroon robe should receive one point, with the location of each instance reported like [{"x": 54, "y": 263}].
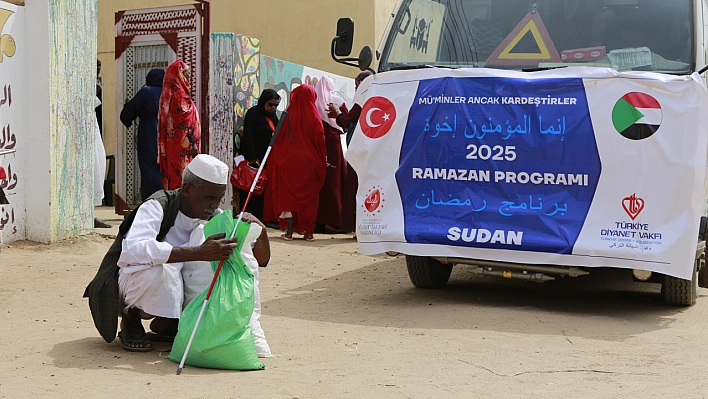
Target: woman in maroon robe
[
  {"x": 329, "y": 212},
  {"x": 348, "y": 120},
  {"x": 297, "y": 165}
]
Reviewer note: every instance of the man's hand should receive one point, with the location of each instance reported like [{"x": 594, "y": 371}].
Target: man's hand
[
  {"x": 332, "y": 110},
  {"x": 217, "y": 247},
  {"x": 250, "y": 219}
]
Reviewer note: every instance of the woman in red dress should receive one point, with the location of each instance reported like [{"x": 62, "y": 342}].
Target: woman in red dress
[
  {"x": 179, "y": 131},
  {"x": 297, "y": 165}
]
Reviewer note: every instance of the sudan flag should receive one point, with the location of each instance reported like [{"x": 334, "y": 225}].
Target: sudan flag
[{"x": 636, "y": 116}]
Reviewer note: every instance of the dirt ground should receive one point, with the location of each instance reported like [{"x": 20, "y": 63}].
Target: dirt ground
[{"x": 347, "y": 326}]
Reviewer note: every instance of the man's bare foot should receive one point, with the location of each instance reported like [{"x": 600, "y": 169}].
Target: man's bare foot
[{"x": 132, "y": 334}]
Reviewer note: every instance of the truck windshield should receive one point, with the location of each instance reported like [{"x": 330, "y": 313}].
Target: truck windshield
[{"x": 643, "y": 35}]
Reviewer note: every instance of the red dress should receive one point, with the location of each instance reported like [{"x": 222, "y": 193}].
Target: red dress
[
  {"x": 330, "y": 210},
  {"x": 179, "y": 131},
  {"x": 297, "y": 163}
]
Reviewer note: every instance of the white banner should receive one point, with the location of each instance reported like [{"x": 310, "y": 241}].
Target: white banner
[{"x": 574, "y": 166}]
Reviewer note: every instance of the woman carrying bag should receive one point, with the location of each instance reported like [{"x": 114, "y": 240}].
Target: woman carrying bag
[{"x": 258, "y": 127}]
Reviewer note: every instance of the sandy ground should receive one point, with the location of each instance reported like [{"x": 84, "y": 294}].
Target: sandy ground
[{"x": 347, "y": 326}]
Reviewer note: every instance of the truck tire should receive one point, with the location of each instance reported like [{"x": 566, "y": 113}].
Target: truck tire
[
  {"x": 426, "y": 272},
  {"x": 677, "y": 291}
]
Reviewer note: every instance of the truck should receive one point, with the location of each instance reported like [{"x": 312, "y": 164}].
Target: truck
[{"x": 535, "y": 139}]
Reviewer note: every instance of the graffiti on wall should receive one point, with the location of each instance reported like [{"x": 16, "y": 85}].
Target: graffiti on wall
[
  {"x": 72, "y": 60},
  {"x": 221, "y": 103}
]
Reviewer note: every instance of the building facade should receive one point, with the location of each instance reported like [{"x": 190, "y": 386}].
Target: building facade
[{"x": 300, "y": 32}]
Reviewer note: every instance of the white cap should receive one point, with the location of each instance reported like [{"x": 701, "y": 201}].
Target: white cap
[{"x": 210, "y": 169}]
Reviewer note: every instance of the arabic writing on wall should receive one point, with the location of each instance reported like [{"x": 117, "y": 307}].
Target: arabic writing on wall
[{"x": 8, "y": 141}]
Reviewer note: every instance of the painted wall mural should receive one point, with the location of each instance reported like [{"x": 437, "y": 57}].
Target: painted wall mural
[
  {"x": 247, "y": 53},
  {"x": 283, "y": 77},
  {"x": 72, "y": 69},
  {"x": 221, "y": 103}
]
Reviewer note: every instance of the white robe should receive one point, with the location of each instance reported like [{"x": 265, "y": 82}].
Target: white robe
[
  {"x": 146, "y": 280},
  {"x": 99, "y": 162}
]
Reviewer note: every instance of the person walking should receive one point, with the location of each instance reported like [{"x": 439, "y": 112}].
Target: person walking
[
  {"x": 298, "y": 166},
  {"x": 258, "y": 128},
  {"x": 179, "y": 131},
  {"x": 145, "y": 106}
]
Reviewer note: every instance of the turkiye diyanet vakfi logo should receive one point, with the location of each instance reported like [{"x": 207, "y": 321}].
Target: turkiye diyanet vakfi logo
[
  {"x": 637, "y": 116},
  {"x": 373, "y": 203}
]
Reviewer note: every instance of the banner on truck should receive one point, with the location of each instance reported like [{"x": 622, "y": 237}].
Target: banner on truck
[{"x": 578, "y": 167}]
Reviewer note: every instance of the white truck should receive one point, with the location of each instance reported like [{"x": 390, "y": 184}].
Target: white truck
[{"x": 536, "y": 138}]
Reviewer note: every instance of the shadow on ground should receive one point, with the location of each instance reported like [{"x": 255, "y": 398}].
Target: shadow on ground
[
  {"x": 607, "y": 304},
  {"x": 95, "y": 354}
]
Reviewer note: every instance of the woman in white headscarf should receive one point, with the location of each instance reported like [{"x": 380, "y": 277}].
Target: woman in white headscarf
[{"x": 329, "y": 212}]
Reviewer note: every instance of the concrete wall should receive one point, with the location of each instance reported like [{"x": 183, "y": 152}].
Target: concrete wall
[
  {"x": 72, "y": 88},
  {"x": 297, "y": 31},
  {"x": 53, "y": 85}
]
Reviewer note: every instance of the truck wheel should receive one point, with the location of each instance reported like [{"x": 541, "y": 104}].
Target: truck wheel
[
  {"x": 677, "y": 291},
  {"x": 426, "y": 272}
]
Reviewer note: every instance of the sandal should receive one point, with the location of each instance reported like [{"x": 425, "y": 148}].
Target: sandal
[
  {"x": 286, "y": 237},
  {"x": 309, "y": 238},
  {"x": 98, "y": 223},
  {"x": 134, "y": 334}
]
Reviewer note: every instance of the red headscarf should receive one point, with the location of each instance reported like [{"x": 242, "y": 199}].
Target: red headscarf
[
  {"x": 179, "y": 131},
  {"x": 298, "y": 165}
]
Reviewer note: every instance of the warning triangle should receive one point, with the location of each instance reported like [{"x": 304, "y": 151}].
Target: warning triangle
[{"x": 531, "y": 26}]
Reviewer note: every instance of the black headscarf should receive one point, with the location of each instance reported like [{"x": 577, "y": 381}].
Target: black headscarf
[
  {"x": 257, "y": 132},
  {"x": 155, "y": 77},
  {"x": 267, "y": 95}
]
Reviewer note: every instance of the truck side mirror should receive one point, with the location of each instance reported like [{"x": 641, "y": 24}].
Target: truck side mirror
[
  {"x": 366, "y": 55},
  {"x": 342, "y": 47},
  {"x": 345, "y": 37}
]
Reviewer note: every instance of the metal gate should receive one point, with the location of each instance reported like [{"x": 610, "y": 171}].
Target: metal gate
[
  {"x": 147, "y": 39},
  {"x": 139, "y": 60}
]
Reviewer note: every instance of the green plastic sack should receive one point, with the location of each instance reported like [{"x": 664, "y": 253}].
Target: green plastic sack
[{"x": 223, "y": 339}]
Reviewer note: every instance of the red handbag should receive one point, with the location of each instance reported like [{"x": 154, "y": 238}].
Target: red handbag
[{"x": 243, "y": 175}]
